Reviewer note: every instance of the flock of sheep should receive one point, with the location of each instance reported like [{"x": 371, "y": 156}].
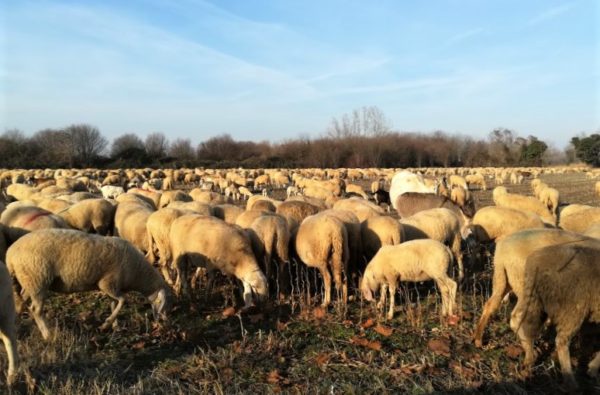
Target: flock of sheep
[{"x": 170, "y": 227}]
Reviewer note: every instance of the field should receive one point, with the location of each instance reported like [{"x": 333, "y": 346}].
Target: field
[{"x": 294, "y": 346}]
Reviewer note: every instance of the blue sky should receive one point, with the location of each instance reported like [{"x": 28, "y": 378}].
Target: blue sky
[{"x": 279, "y": 69}]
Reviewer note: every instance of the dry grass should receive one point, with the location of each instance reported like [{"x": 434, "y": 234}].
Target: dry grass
[{"x": 291, "y": 347}]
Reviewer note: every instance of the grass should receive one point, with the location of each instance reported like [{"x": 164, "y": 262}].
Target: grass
[{"x": 288, "y": 347}]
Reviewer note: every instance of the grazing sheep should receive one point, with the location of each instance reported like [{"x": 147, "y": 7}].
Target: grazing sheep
[
  {"x": 198, "y": 195},
  {"x": 173, "y": 196},
  {"x": 295, "y": 212},
  {"x": 353, "y": 228},
  {"x": 20, "y": 192},
  {"x": 362, "y": 208},
  {"x": 457, "y": 181},
  {"x": 245, "y": 192},
  {"x": 476, "y": 179},
  {"x": 460, "y": 196},
  {"x": 227, "y": 212},
  {"x": 322, "y": 243},
  {"x": 561, "y": 283},
  {"x": 509, "y": 266},
  {"x": 439, "y": 224},
  {"x": 292, "y": 191},
  {"x": 417, "y": 260},
  {"x": 550, "y": 197},
  {"x": 270, "y": 238},
  {"x": 580, "y": 220},
  {"x": 151, "y": 196},
  {"x": 196, "y": 207},
  {"x": 89, "y": 215},
  {"x": 569, "y": 209},
  {"x": 376, "y": 185},
  {"x": 592, "y": 231},
  {"x": 213, "y": 244},
  {"x": 357, "y": 190},
  {"x": 55, "y": 206},
  {"x": 7, "y": 323},
  {"x": 405, "y": 181},
  {"x": 257, "y": 199},
  {"x": 380, "y": 231},
  {"x": 245, "y": 219},
  {"x": 68, "y": 261},
  {"x": 411, "y": 203},
  {"x": 382, "y": 196},
  {"x": 526, "y": 203},
  {"x": 130, "y": 223},
  {"x": 314, "y": 201},
  {"x": 493, "y": 222},
  {"x": 20, "y": 220}
]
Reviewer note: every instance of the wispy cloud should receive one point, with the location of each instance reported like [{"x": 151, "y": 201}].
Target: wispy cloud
[
  {"x": 465, "y": 35},
  {"x": 550, "y": 13}
]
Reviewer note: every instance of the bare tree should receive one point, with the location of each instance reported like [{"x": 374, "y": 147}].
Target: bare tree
[
  {"x": 87, "y": 143},
  {"x": 366, "y": 121},
  {"x": 182, "y": 149},
  {"x": 156, "y": 145},
  {"x": 55, "y": 147},
  {"x": 126, "y": 143}
]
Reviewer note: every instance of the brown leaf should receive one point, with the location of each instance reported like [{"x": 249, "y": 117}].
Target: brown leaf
[
  {"x": 368, "y": 323},
  {"x": 273, "y": 377},
  {"x": 374, "y": 345},
  {"x": 453, "y": 320},
  {"x": 439, "y": 346},
  {"x": 361, "y": 341},
  {"x": 322, "y": 359},
  {"x": 228, "y": 312},
  {"x": 513, "y": 351},
  {"x": 319, "y": 313},
  {"x": 383, "y": 330}
]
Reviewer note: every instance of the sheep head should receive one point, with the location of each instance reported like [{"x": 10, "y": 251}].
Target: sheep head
[
  {"x": 368, "y": 285},
  {"x": 161, "y": 302}
]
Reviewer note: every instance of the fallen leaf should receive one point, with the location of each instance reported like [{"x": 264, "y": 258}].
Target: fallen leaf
[
  {"x": 228, "y": 312},
  {"x": 368, "y": 323},
  {"x": 453, "y": 320},
  {"x": 319, "y": 313},
  {"x": 513, "y": 351},
  {"x": 322, "y": 359},
  {"x": 273, "y": 377},
  {"x": 439, "y": 346},
  {"x": 361, "y": 341},
  {"x": 383, "y": 330}
]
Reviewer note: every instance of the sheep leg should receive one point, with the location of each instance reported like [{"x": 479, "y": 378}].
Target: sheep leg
[
  {"x": 526, "y": 324},
  {"x": 564, "y": 358},
  {"x": 37, "y": 306},
  {"x": 9, "y": 339},
  {"x": 392, "y": 292},
  {"x": 166, "y": 274},
  {"x": 594, "y": 365},
  {"x": 181, "y": 285},
  {"x": 500, "y": 290},
  {"x": 383, "y": 293},
  {"x": 327, "y": 285}
]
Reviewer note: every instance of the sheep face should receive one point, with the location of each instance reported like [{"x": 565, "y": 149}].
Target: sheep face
[
  {"x": 367, "y": 286},
  {"x": 161, "y": 304},
  {"x": 255, "y": 287}
]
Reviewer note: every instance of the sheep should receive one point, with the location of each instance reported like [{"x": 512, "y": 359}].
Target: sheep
[
  {"x": 244, "y": 192},
  {"x": 314, "y": 201},
  {"x": 460, "y": 196},
  {"x": 569, "y": 209},
  {"x": 353, "y": 228},
  {"x": 211, "y": 243},
  {"x": 580, "y": 220},
  {"x": 550, "y": 197},
  {"x": 255, "y": 199},
  {"x": 509, "y": 266},
  {"x": 198, "y": 195},
  {"x": 322, "y": 243},
  {"x": 55, "y": 206},
  {"x": 457, "y": 181},
  {"x": 232, "y": 192},
  {"x": 245, "y": 219},
  {"x": 526, "y": 203},
  {"x": 295, "y": 212},
  {"x": 130, "y": 223},
  {"x": 20, "y": 220},
  {"x": 439, "y": 224},
  {"x": 476, "y": 179},
  {"x": 592, "y": 231},
  {"x": 376, "y": 185},
  {"x": 405, "y": 181},
  {"x": 7, "y": 323},
  {"x": 3, "y": 242},
  {"x": 227, "y": 212},
  {"x": 380, "y": 231},
  {"x": 173, "y": 196},
  {"x": 270, "y": 238},
  {"x": 90, "y": 215},
  {"x": 292, "y": 191},
  {"x": 196, "y": 207},
  {"x": 597, "y": 188},
  {"x": 411, "y": 203},
  {"x": 68, "y": 261},
  {"x": 20, "y": 191},
  {"x": 561, "y": 283},
  {"x": 151, "y": 196},
  {"x": 318, "y": 192},
  {"x": 416, "y": 260},
  {"x": 493, "y": 222},
  {"x": 357, "y": 190},
  {"x": 361, "y": 207}
]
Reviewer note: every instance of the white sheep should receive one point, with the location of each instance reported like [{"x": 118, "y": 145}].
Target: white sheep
[
  {"x": 68, "y": 261},
  {"x": 111, "y": 191},
  {"x": 380, "y": 231},
  {"x": 7, "y": 322},
  {"x": 526, "y": 203},
  {"x": 405, "y": 181},
  {"x": 494, "y": 222},
  {"x": 561, "y": 284},
  {"x": 417, "y": 260}
]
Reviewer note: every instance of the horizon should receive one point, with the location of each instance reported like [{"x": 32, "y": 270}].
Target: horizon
[{"x": 276, "y": 71}]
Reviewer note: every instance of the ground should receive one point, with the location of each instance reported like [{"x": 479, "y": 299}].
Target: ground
[{"x": 294, "y": 346}]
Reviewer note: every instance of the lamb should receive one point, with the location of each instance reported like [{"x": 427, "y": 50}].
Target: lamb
[
  {"x": 69, "y": 261},
  {"x": 322, "y": 243},
  {"x": 380, "y": 231},
  {"x": 8, "y": 331},
  {"x": 493, "y": 222},
  {"x": 405, "y": 181},
  {"x": 416, "y": 260},
  {"x": 509, "y": 266},
  {"x": 439, "y": 224},
  {"x": 561, "y": 283},
  {"x": 90, "y": 215},
  {"x": 526, "y": 203},
  {"x": 211, "y": 243},
  {"x": 130, "y": 223},
  {"x": 20, "y": 220}
]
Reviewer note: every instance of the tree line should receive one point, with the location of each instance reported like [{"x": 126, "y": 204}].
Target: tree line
[{"x": 363, "y": 138}]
